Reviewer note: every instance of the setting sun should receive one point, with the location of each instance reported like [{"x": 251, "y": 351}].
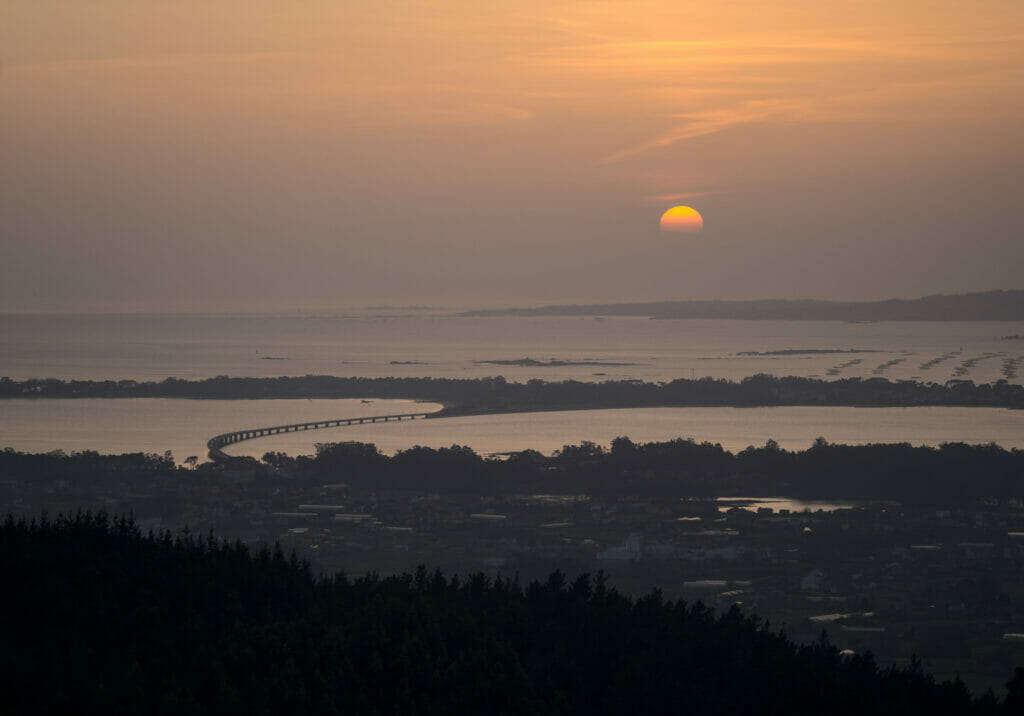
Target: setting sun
[{"x": 682, "y": 220}]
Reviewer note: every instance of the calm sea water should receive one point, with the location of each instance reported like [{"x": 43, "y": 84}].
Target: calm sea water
[
  {"x": 386, "y": 343},
  {"x": 431, "y": 344}
]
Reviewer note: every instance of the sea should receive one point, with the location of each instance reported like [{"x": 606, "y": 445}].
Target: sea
[{"x": 412, "y": 342}]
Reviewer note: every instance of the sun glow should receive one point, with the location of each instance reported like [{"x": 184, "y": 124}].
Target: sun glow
[{"x": 682, "y": 220}]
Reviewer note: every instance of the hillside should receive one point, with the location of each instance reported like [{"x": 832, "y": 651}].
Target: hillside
[{"x": 110, "y": 619}]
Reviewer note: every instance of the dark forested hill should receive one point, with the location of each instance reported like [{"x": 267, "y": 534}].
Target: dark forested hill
[
  {"x": 986, "y": 306},
  {"x": 100, "y": 617}
]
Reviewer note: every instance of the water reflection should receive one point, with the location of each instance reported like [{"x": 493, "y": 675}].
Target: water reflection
[{"x": 781, "y": 504}]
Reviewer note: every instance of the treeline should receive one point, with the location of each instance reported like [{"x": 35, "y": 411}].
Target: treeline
[
  {"x": 497, "y": 394},
  {"x": 951, "y": 474},
  {"x": 103, "y": 618},
  {"x": 948, "y": 475},
  {"x": 84, "y": 465}
]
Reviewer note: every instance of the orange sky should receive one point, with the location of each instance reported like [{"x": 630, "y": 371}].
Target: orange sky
[{"x": 216, "y": 155}]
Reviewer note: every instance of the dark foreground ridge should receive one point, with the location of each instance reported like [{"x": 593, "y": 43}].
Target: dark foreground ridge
[
  {"x": 986, "y": 306},
  {"x": 496, "y": 395},
  {"x": 110, "y": 619}
]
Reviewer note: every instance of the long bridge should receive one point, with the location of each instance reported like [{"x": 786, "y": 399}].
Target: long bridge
[{"x": 217, "y": 443}]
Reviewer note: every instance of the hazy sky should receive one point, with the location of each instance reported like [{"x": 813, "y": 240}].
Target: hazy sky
[{"x": 269, "y": 155}]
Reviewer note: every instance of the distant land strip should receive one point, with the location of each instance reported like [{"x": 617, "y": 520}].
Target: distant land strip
[
  {"x": 496, "y": 395},
  {"x": 552, "y": 363},
  {"x": 804, "y": 352},
  {"x": 983, "y": 306}
]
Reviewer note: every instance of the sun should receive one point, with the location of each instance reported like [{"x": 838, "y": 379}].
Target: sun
[{"x": 682, "y": 220}]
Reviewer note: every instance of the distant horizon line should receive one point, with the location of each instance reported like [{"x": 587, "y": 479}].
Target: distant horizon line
[{"x": 463, "y": 307}]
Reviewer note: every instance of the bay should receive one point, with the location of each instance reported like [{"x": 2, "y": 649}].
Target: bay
[
  {"x": 155, "y": 425},
  {"x": 794, "y": 428},
  {"x": 183, "y": 426},
  {"x": 379, "y": 343}
]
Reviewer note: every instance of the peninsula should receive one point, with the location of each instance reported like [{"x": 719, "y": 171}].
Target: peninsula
[{"x": 983, "y": 306}]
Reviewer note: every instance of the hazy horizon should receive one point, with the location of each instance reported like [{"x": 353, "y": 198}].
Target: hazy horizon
[
  {"x": 450, "y": 306},
  {"x": 202, "y": 157}
]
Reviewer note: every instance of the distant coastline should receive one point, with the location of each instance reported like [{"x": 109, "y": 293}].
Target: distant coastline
[
  {"x": 497, "y": 395},
  {"x": 983, "y": 306}
]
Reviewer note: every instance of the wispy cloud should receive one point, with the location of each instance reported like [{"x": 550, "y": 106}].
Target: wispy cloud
[
  {"x": 699, "y": 124},
  {"x": 709, "y": 79},
  {"x": 661, "y": 198},
  {"x": 626, "y": 57}
]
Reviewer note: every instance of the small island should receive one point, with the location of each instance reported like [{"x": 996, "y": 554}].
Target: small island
[
  {"x": 805, "y": 352},
  {"x": 552, "y": 363}
]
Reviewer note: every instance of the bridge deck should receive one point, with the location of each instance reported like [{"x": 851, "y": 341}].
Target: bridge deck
[{"x": 216, "y": 444}]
